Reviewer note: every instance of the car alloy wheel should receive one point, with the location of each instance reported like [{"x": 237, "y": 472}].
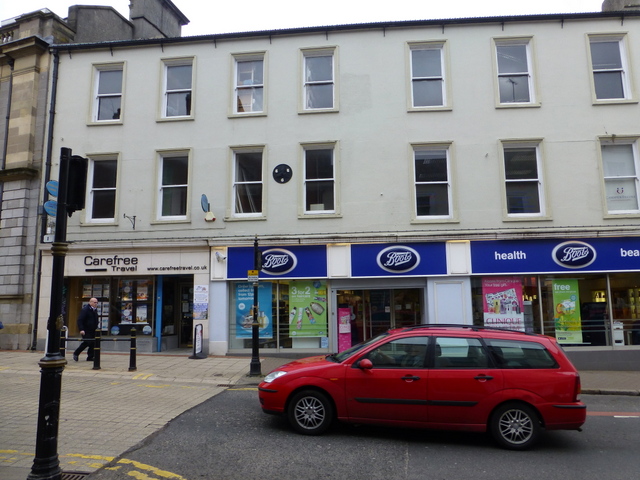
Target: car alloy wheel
[
  {"x": 515, "y": 426},
  {"x": 310, "y": 412}
]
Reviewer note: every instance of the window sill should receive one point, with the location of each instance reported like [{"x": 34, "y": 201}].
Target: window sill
[
  {"x": 163, "y": 221},
  {"x": 248, "y": 114},
  {"x": 244, "y": 219},
  {"x": 615, "y": 101},
  {"x": 95, "y": 123},
  {"x": 519, "y": 105},
  {"x": 616, "y": 216},
  {"x": 89, "y": 223},
  {"x": 175, "y": 119},
  {"x": 313, "y": 111},
  {"x": 531, "y": 218},
  {"x": 438, "y": 108},
  {"x": 424, "y": 220},
  {"x": 310, "y": 215}
]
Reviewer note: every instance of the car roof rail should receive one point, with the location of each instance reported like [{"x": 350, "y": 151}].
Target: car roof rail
[{"x": 474, "y": 328}]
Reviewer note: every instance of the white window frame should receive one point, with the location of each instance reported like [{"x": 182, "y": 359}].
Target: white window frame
[
  {"x": 306, "y": 85},
  {"x": 443, "y": 78},
  {"x": 527, "y": 43},
  {"x": 315, "y": 212},
  {"x": 166, "y": 65},
  {"x": 238, "y": 59},
  {"x": 436, "y": 147},
  {"x": 535, "y": 145},
  {"x": 98, "y": 69},
  {"x": 234, "y": 214},
  {"x": 624, "y": 69},
  {"x": 168, "y": 154},
  {"x": 632, "y": 143},
  {"x": 93, "y": 159}
]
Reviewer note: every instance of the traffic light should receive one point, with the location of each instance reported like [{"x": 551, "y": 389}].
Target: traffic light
[{"x": 75, "y": 183}]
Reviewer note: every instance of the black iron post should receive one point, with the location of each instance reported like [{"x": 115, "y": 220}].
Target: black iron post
[
  {"x": 46, "y": 465},
  {"x": 255, "y": 367},
  {"x": 97, "y": 348},
  {"x": 132, "y": 351}
]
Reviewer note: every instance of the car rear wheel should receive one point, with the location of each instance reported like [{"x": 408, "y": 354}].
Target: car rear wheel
[
  {"x": 515, "y": 426},
  {"x": 310, "y": 412}
]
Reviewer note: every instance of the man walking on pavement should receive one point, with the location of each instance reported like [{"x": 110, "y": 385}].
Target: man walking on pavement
[{"x": 87, "y": 324}]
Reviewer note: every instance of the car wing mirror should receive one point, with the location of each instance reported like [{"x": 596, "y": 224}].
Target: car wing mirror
[{"x": 365, "y": 364}]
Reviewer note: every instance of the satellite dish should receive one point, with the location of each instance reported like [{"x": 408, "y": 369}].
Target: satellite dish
[{"x": 204, "y": 203}]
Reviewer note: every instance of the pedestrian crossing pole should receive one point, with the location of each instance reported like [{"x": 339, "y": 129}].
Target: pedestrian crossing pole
[{"x": 71, "y": 190}]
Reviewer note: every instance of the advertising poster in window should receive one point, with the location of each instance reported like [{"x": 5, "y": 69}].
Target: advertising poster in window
[
  {"x": 344, "y": 328},
  {"x": 502, "y": 303},
  {"x": 566, "y": 316},
  {"x": 244, "y": 305},
  {"x": 308, "y": 309},
  {"x": 201, "y": 302}
]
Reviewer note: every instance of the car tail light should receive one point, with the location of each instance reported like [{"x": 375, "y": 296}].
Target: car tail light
[{"x": 577, "y": 388}]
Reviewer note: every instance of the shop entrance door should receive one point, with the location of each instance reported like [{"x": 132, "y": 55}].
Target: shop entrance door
[{"x": 374, "y": 311}]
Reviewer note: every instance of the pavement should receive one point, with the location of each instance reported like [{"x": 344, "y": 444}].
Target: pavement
[{"x": 105, "y": 412}]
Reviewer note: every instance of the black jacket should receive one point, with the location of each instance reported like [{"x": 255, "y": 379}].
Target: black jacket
[{"x": 88, "y": 321}]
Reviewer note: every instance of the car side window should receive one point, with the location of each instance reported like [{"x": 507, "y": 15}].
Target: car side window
[
  {"x": 456, "y": 352},
  {"x": 515, "y": 354},
  {"x": 408, "y": 352}
]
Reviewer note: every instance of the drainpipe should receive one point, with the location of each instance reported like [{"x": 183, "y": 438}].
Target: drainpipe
[
  {"x": 3, "y": 160},
  {"x": 47, "y": 177}
]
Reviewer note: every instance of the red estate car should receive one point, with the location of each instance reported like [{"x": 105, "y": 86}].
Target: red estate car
[{"x": 512, "y": 384}]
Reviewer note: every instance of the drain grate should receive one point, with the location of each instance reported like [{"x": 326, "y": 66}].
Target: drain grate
[{"x": 73, "y": 475}]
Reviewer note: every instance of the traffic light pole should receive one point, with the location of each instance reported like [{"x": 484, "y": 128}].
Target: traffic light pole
[
  {"x": 254, "y": 366},
  {"x": 46, "y": 465}
]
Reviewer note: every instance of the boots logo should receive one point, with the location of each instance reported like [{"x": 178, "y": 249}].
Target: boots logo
[
  {"x": 278, "y": 262},
  {"x": 398, "y": 259},
  {"x": 574, "y": 254}
]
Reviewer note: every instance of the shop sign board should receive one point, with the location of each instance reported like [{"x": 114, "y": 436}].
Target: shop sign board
[
  {"x": 408, "y": 259},
  {"x": 304, "y": 261},
  {"x": 556, "y": 255}
]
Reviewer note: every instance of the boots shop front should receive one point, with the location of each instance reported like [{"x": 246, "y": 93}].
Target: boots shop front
[
  {"x": 160, "y": 293},
  {"x": 326, "y": 298}
]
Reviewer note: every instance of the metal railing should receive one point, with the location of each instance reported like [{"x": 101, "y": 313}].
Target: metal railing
[{"x": 97, "y": 346}]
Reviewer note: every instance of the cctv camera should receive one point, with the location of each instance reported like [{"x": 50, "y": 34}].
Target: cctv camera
[{"x": 220, "y": 257}]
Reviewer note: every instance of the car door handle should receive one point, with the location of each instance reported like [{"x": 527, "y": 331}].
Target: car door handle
[
  {"x": 483, "y": 377},
  {"x": 410, "y": 378}
]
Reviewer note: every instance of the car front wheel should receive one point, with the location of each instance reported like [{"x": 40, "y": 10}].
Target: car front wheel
[
  {"x": 515, "y": 426},
  {"x": 310, "y": 412}
]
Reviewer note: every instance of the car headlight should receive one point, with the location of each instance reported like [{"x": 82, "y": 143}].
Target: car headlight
[{"x": 273, "y": 375}]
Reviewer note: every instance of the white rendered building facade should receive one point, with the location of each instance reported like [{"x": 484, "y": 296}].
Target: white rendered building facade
[{"x": 476, "y": 171}]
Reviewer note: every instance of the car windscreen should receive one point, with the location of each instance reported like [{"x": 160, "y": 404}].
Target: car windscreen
[{"x": 342, "y": 356}]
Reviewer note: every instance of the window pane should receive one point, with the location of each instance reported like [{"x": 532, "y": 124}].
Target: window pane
[
  {"x": 250, "y": 73},
  {"x": 249, "y": 167},
  {"x": 606, "y": 55},
  {"x": 110, "y": 82},
  {"x": 174, "y": 201},
  {"x": 431, "y": 166},
  {"x": 426, "y": 63},
  {"x": 621, "y": 194},
  {"x": 179, "y": 77},
  {"x": 178, "y": 104},
  {"x": 104, "y": 174},
  {"x": 250, "y": 100},
  {"x": 427, "y": 93},
  {"x": 109, "y": 108},
  {"x": 618, "y": 161},
  {"x": 319, "y": 69},
  {"x": 522, "y": 197},
  {"x": 520, "y": 163},
  {"x": 319, "y": 195},
  {"x": 514, "y": 88},
  {"x": 104, "y": 204},
  {"x": 608, "y": 85},
  {"x": 320, "y": 96},
  {"x": 319, "y": 164},
  {"x": 175, "y": 171},
  {"x": 249, "y": 198},
  {"x": 432, "y": 199},
  {"x": 512, "y": 59}
]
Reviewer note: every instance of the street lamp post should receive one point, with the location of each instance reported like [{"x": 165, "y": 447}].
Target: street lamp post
[
  {"x": 254, "y": 366},
  {"x": 46, "y": 465}
]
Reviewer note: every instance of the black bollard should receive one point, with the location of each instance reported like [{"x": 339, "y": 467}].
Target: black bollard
[
  {"x": 132, "y": 351},
  {"x": 96, "y": 350},
  {"x": 63, "y": 341}
]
